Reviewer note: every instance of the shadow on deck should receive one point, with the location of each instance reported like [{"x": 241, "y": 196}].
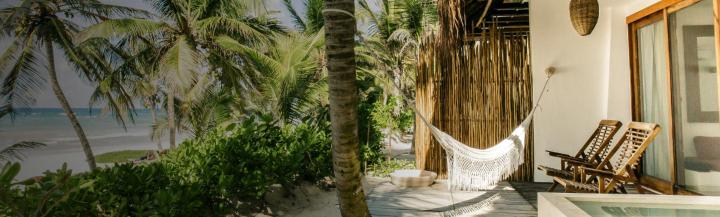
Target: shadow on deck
[{"x": 388, "y": 200}]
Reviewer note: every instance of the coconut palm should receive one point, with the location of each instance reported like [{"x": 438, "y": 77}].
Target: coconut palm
[
  {"x": 312, "y": 21},
  {"x": 340, "y": 27},
  {"x": 293, "y": 78},
  {"x": 390, "y": 50},
  {"x": 38, "y": 26},
  {"x": 391, "y": 44},
  {"x": 182, "y": 42},
  {"x": 148, "y": 91}
]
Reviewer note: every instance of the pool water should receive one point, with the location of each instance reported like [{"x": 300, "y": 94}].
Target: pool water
[{"x": 595, "y": 208}]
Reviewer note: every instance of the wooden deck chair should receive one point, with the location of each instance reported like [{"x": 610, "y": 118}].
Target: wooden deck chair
[
  {"x": 592, "y": 152},
  {"x": 623, "y": 160}
]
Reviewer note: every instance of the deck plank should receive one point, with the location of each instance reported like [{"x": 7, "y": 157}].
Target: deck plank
[{"x": 388, "y": 200}]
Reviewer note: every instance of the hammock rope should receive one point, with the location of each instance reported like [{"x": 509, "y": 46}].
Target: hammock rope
[{"x": 474, "y": 169}]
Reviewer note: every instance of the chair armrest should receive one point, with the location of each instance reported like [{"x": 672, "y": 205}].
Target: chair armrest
[
  {"x": 557, "y": 154},
  {"x": 572, "y": 162},
  {"x": 595, "y": 172},
  {"x": 571, "y": 158}
]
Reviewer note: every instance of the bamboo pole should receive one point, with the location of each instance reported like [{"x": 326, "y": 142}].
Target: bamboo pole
[{"x": 476, "y": 90}]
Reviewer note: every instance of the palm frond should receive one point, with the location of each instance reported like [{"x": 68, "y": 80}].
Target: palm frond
[
  {"x": 7, "y": 110},
  {"x": 122, "y": 28},
  {"x": 296, "y": 19},
  {"x": 179, "y": 65},
  {"x": 225, "y": 25},
  {"x": 14, "y": 152},
  {"x": 23, "y": 79},
  {"x": 261, "y": 61}
]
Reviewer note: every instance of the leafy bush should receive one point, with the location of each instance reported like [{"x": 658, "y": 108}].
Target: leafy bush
[
  {"x": 240, "y": 161},
  {"x": 385, "y": 116},
  {"x": 210, "y": 175},
  {"x": 312, "y": 151},
  {"x": 123, "y": 190},
  {"x": 54, "y": 194},
  {"x": 370, "y": 136},
  {"x": 146, "y": 190}
]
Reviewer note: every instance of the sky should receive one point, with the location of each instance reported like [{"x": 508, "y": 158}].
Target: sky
[{"x": 78, "y": 91}]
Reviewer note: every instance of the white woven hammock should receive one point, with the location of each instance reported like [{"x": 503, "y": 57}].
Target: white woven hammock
[
  {"x": 473, "y": 169},
  {"x": 476, "y": 169}
]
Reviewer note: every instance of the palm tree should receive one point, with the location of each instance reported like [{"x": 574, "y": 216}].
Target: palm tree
[
  {"x": 38, "y": 26},
  {"x": 312, "y": 21},
  {"x": 148, "y": 92},
  {"x": 183, "y": 45},
  {"x": 391, "y": 48},
  {"x": 340, "y": 32},
  {"x": 293, "y": 81}
]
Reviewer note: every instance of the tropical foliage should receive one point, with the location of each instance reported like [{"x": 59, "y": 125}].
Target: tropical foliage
[
  {"x": 14, "y": 151},
  {"x": 180, "y": 50},
  {"x": 211, "y": 175}
]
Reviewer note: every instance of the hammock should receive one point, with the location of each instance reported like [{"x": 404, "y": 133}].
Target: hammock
[{"x": 474, "y": 169}]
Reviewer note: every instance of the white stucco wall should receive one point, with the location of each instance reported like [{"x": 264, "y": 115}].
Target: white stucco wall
[{"x": 592, "y": 81}]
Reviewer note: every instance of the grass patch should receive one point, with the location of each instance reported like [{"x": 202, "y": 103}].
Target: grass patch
[
  {"x": 120, "y": 156},
  {"x": 384, "y": 168}
]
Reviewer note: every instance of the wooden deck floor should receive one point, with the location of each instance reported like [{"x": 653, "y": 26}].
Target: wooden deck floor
[{"x": 389, "y": 200}]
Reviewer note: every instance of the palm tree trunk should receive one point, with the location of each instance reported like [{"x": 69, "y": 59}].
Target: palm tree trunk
[
  {"x": 89, "y": 157},
  {"x": 171, "y": 118},
  {"x": 153, "y": 113},
  {"x": 340, "y": 51}
]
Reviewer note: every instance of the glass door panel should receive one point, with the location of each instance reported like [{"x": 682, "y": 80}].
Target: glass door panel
[
  {"x": 695, "y": 98},
  {"x": 654, "y": 89}
]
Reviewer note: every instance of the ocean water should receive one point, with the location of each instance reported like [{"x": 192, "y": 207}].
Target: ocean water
[{"x": 52, "y": 127}]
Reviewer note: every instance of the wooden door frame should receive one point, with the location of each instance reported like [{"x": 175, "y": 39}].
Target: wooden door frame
[{"x": 659, "y": 12}]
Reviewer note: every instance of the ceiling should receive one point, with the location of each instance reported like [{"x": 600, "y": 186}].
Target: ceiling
[{"x": 509, "y": 15}]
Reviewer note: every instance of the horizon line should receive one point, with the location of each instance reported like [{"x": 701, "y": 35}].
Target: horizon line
[{"x": 62, "y": 108}]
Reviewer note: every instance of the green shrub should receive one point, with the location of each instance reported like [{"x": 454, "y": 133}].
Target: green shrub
[
  {"x": 54, "y": 194},
  {"x": 384, "y": 115},
  {"x": 371, "y": 148},
  {"x": 146, "y": 190},
  {"x": 310, "y": 149},
  {"x": 240, "y": 161},
  {"x": 210, "y": 175},
  {"x": 123, "y": 190}
]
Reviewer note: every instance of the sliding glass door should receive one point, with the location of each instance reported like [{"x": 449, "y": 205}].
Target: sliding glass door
[
  {"x": 695, "y": 93},
  {"x": 675, "y": 84}
]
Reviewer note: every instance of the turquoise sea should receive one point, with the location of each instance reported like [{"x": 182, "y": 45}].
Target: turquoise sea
[{"x": 51, "y": 126}]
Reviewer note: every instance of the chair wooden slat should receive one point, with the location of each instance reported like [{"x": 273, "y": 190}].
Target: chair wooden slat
[
  {"x": 623, "y": 160},
  {"x": 595, "y": 149}
]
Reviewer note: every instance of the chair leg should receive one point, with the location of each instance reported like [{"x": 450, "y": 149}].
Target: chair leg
[
  {"x": 553, "y": 186},
  {"x": 622, "y": 189}
]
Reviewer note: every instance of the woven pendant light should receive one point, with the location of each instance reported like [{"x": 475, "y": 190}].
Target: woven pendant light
[{"x": 584, "y": 15}]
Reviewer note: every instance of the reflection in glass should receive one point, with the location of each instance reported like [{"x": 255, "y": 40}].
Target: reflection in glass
[{"x": 695, "y": 98}]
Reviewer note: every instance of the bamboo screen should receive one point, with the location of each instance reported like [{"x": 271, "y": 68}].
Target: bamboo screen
[{"x": 477, "y": 89}]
